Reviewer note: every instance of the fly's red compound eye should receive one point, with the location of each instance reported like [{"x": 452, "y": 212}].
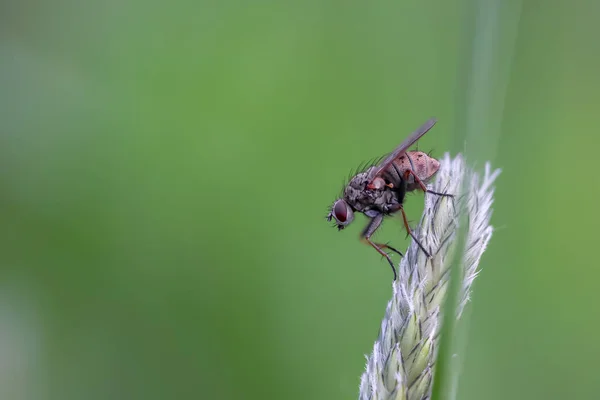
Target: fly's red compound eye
[{"x": 340, "y": 211}]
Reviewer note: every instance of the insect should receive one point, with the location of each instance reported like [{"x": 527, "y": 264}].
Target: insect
[{"x": 379, "y": 191}]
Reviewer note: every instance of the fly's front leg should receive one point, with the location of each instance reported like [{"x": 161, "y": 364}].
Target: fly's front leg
[{"x": 374, "y": 224}]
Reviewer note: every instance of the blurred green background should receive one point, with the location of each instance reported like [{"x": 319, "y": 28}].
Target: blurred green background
[{"x": 165, "y": 170}]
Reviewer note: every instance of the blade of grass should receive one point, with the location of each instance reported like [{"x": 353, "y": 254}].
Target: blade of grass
[
  {"x": 401, "y": 364},
  {"x": 493, "y": 41}
]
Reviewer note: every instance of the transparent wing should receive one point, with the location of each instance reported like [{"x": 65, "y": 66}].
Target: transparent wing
[{"x": 401, "y": 149}]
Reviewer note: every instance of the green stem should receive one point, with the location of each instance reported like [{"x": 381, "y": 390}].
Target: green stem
[{"x": 492, "y": 48}]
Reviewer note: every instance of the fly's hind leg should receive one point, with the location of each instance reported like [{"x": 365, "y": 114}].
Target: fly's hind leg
[
  {"x": 438, "y": 193},
  {"x": 422, "y": 185}
]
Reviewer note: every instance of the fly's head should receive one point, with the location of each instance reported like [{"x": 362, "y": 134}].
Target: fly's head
[
  {"x": 341, "y": 213},
  {"x": 342, "y": 210}
]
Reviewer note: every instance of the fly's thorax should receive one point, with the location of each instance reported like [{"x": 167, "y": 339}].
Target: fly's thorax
[{"x": 362, "y": 200}]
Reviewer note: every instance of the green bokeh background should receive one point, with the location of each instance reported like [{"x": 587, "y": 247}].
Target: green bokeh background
[{"x": 165, "y": 169}]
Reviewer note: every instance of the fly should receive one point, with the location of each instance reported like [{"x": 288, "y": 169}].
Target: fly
[{"x": 380, "y": 190}]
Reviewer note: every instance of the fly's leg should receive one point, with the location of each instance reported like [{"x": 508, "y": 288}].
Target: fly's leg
[
  {"x": 422, "y": 185},
  {"x": 387, "y": 246},
  {"x": 384, "y": 246},
  {"x": 366, "y": 236},
  {"x": 410, "y": 232}
]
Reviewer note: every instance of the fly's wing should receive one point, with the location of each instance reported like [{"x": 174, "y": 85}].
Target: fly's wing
[{"x": 401, "y": 149}]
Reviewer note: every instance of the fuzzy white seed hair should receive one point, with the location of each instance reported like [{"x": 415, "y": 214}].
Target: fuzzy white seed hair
[{"x": 401, "y": 364}]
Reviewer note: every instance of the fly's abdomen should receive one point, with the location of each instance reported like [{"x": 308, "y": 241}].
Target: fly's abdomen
[
  {"x": 394, "y": 174},
  {"x": 417, "y": 163}
]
